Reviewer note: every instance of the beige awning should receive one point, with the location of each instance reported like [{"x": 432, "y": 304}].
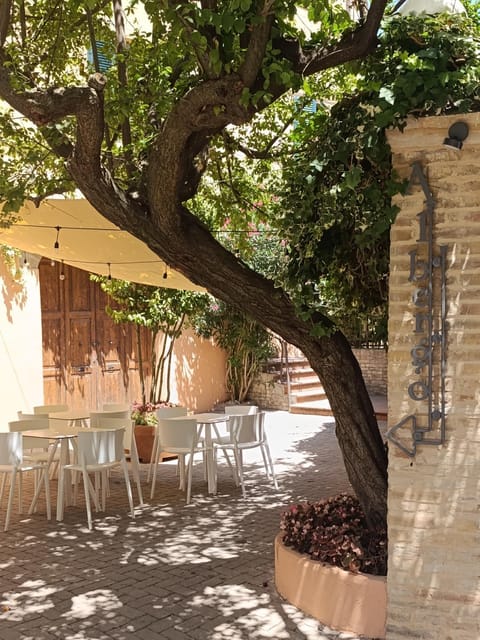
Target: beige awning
[{"x": 86, "y": 240}]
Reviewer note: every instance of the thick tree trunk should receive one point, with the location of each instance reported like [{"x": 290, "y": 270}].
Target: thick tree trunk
[{"x": 175, "y": 235}]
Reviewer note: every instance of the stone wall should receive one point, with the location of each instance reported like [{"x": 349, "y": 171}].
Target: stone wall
[
  {"x": 268, "y": 393},
  {"x": 434, "y": 489}
]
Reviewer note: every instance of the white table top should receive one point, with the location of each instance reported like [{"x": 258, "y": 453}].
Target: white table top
[
  {"x": 73, "y": 414},
  {"x": 56, "y": 434},
  {"x": 203, "y": 418}
]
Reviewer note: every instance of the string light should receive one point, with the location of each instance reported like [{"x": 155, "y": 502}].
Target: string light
[
  {"x": 109, "y": 271},
  {"x": 165, "y": 273},
  {"x": 62, "y": 274},
  {"x": 56, "y": 245},
  {"x": 25, "y": 261}
]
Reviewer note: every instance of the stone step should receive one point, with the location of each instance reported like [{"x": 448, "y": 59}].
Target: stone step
[
  {"x": 322, "y": 407},
  {"x": 307, "y": 395}
]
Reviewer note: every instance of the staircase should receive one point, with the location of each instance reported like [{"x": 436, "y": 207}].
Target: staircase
[{"x": 307, "y": 395}]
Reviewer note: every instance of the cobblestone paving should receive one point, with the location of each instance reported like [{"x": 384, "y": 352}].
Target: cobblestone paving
[{"x": 174, "y": 572}]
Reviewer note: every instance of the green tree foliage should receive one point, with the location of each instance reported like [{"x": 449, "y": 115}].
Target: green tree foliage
[
  {"x": 136, "y": 140},
  {"x": 247, "y": 344},
  {"x": 165, "y": 312}
]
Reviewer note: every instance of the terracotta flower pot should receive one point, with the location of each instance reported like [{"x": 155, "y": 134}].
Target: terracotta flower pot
[
  {"x": 346, "y": 601},
  {"x": 144, "y": 436}
]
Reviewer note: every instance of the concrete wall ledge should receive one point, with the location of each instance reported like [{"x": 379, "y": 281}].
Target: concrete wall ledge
[{"x": 345, "y": 601}]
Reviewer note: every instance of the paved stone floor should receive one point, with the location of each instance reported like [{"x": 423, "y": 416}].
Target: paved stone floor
[{"x": 202, "y": 571}]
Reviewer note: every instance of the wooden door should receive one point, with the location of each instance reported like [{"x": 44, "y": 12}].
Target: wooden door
[{"x": 87, "y": 358}]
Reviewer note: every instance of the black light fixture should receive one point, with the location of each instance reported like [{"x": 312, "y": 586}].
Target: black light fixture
[
  {"x": 457, "y": 133},
  {"x": 56, "y": 245},
  {"x": 109, "y": 271},
  {"x": 165, "y": 273}
]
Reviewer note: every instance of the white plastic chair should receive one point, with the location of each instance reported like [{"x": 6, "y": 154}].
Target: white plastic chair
[
  {"x": 12, "y": 464},
  {"x": 98, "y": 452},
  {"x": 240, "y": 409},
  {"x": 247, "y": 431},
  {"x": 180, "y": 437},
  {"x": 50, "y": 408},
  {"x": 116, "y": 406},
  {"x": 97, "y": 417},
  {"x": 129, "y": 444},
  {"x": 36, "y": 449},
  {"x": 162, "y": 413}
]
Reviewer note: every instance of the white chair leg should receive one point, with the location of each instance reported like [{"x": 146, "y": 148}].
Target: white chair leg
[
  {"x": 181, "y": 471},
  {"x": 20, "y": 492},
  {"x": 48, "y": 503},
  {"x": 11, "y": 494},
  {"x": 61, "y": 494},
  {"x": 189, "y": 477},
  {"x": 272, "y": 470},
  {"x": 86, "y": 489},
  {"x": 239, "y": 463},
  {"x": 2, "y": 486},
  {"x": 135, "y": 465},
  {"x": 155, "y": 469},
  {"x": 128, "y": 486},
  {"x": 154, "y": 456}
]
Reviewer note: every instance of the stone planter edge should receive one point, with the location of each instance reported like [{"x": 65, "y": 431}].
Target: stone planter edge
[{"x": 345, "y": 601}]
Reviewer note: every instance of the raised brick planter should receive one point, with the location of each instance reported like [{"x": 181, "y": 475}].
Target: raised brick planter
[{"x": 354, "y": 602}]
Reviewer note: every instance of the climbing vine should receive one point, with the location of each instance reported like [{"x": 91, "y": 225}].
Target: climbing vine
[{"x": 336, "y": 209}]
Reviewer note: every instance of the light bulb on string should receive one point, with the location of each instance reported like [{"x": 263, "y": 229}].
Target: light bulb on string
[
  {"x": 56, "y": 244},
  {"x": 109, "y": 271},
  {"x": 52, "y": 262},
  {"x": 62, "y": 274},
  {"x": 165, "y": 273},
  {"x": 25, "y": 261}
]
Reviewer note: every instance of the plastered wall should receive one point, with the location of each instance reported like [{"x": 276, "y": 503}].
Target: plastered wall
[
  {"x": 21, "y": 382},
  {"x": 434, "y": 495}
]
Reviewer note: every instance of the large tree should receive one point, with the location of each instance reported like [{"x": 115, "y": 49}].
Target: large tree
[{"x": 135, "y": 140}]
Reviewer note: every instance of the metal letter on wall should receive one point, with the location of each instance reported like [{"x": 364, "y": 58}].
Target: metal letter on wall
[{"x": 427, "y": 275}]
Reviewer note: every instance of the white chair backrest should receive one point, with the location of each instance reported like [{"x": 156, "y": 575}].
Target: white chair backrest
[
  {"x": 240, "y": 409},
  {"x": 97, "y": 417},
  {"x": 170, "y": 412},
  {"x": 118, "y": 423},
  {"x": 28, "y": 424},
  {"x": 11, "y": 449},
  {"x": 243, "y": 428},
  {"x": 112, "y": 406},
  {"x": 50, "y": 408},
  {"x": 100, "y": 447},
  {"x": 177, "y": 434}
]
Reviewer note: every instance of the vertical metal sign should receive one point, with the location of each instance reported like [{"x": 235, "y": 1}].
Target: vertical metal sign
[{"x": 428, "y": 277}]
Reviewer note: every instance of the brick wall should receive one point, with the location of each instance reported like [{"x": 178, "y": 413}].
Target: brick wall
[
  {"x": 373, "y": 363},
  {"x": 434, "y": 496}
]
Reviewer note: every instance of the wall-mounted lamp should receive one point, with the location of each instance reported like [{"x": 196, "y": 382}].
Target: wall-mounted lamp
[{"x": 457, "y": 133}]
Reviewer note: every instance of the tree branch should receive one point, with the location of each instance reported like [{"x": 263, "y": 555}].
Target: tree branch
[
  {"x": 5, "y": 12},
  {"x": 257, "y": 44},
  {"x": 351, "y": 47}
]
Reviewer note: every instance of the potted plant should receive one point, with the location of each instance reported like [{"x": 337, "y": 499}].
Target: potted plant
[
  {"x": 145, "y": 418},
  {"x": 332, "y": 565}
]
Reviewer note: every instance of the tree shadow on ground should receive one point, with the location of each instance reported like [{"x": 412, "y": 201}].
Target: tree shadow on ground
[{"x": 203, "y": 570}]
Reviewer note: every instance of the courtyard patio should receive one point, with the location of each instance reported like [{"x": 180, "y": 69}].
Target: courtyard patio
[{"x": 174, "y": 572}]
